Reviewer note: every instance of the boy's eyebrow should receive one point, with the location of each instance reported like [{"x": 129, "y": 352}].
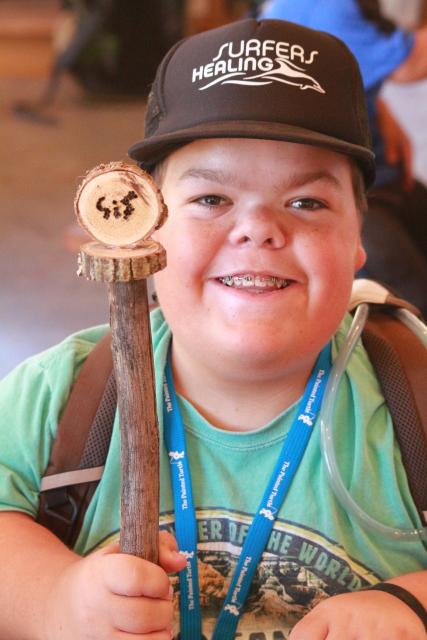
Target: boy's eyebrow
[
  {"x": 302, "y": 179},
  {"x": 291, "y": 181},
  {"x": 213, "y": 175}
]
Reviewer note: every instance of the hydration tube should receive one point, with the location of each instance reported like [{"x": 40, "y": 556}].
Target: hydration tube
[
  {"x": 414, "y": 324},
  {"x": 326, "y": 415}
]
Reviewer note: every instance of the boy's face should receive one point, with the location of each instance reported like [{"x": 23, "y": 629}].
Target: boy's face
[{"x": 262, "y": 245}]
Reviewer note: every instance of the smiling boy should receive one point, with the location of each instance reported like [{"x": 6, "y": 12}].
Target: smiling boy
[
  {"x": 258, "y": 231},
  {"x": 263, "y": 176}
]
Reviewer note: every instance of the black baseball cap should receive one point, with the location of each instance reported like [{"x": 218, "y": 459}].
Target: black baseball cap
[{"x": 268, "y": 79}]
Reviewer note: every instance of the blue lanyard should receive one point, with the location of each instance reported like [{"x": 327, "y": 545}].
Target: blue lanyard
[{"x": 257, "y": 537}]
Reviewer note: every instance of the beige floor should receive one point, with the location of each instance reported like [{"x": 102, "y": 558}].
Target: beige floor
[{"x": 41, "y": 298}]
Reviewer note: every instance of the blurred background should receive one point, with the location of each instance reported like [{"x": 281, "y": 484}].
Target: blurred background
[{"x": 64, "y": 107}]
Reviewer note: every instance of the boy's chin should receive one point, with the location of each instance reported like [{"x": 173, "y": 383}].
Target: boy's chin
[
  {"x": 274, "y": 346},
  {"x": 260, "y": 352}
]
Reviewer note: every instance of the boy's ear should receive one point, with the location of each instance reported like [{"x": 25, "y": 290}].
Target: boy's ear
[{"x": 360, "y": 257}]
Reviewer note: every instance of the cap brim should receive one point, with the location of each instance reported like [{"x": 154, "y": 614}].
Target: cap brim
[{"x": 151, "y": 150}]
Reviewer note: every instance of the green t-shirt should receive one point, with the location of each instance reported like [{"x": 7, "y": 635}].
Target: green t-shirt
[{"x": 316, "y": 549}]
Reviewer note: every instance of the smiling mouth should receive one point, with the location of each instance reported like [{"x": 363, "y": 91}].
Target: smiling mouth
[{"x": 255, "y": 283}]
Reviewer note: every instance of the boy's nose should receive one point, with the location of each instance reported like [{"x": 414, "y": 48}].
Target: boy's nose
[{"x": 258, "y": 227}]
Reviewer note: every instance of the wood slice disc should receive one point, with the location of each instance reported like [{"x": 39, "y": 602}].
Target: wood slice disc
[
  {"x": 113, "y": 264},
  {"x": 119, "y": 204}
]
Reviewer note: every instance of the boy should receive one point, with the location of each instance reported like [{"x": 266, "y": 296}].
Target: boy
[{"x": 257, "y": 135}]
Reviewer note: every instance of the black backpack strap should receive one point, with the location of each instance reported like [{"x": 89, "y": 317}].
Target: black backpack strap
[
  {"x": 81, "y": 446},
  {"x": 400, "y": 361}
]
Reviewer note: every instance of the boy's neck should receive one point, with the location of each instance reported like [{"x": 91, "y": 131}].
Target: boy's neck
[{"x": 236, "y": 404}]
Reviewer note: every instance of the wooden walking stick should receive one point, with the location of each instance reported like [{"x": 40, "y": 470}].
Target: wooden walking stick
[{"x": 121, "y": 206}]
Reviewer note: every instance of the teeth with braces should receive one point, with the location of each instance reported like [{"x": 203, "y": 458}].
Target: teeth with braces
[{"x": 254, "y": 281}]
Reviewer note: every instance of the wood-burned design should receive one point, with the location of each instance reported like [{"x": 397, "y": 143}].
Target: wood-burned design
[
  {"x": 119, "y": 205},
  {"x": 117, "y": 210}
]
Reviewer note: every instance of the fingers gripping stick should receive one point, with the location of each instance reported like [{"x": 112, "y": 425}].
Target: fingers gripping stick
[{"x": 121, "y": 206}]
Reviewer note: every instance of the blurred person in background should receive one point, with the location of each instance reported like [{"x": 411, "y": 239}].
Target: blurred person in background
[
  {"x": 395, "y": 231},
  {"x": 99, "y": 42}
]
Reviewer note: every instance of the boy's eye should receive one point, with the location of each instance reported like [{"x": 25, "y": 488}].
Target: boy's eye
[
  {"x": 310, "y": 204},
  {"x": 211, "y": 200}
]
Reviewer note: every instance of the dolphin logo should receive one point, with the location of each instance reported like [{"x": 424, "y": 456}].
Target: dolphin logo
[
  {"x": 305, "y": 419},
  {"x": 267, "y": 513},
  {"x": 176, "y": 455},
  {"x": 290, "y": 73},
  {"x": 231, "y": 608},
  {"x": 286, "y": 72}
]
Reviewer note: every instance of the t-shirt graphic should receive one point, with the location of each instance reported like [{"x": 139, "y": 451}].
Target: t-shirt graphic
[{"x": 299, "y": 568}]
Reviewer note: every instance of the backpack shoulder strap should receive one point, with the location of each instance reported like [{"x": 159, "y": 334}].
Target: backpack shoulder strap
[
  {"x": 81, "y": 446},
  {"x": 400, "y": 361}
]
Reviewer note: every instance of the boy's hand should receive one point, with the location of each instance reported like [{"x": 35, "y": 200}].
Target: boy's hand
[
  {"x": 109, "y": 595},
  {"x": 364, "y": 615}
]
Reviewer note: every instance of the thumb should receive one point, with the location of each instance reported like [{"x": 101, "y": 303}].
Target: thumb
[
  {"x": 169, "y": 557},
  {"x": 112, "y": 547}
]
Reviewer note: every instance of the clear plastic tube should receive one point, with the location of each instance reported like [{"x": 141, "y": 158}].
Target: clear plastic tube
[
  {"x": 328, "y": 450},
  {"x": 414, "y": 324}
]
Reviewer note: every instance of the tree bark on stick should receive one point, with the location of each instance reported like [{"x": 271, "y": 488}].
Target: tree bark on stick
[{"x": 133, "y": 365}]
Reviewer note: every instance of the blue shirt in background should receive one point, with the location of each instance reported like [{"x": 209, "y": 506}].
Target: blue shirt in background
[{"x": 377, "y": 53}]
